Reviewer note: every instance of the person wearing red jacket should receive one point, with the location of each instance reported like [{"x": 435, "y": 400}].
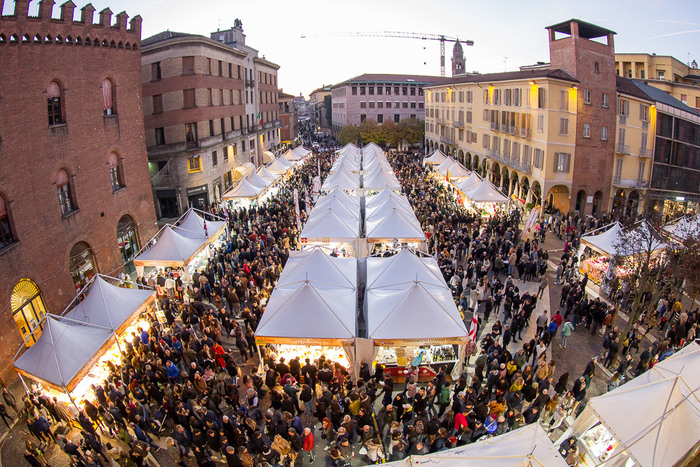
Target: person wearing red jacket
[{"x": 309, "y": 444}]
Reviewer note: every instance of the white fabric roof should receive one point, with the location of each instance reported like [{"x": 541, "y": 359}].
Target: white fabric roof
[
  {"x": 347, "y": 199},
  {"x": 528, "y": 446},
  {"x": 315, "y": 265},
  {"x": 384, "y": 196},
  {"x": 279, "y": 166},
  {"x": 375, "y": 164},
  {"x": 456, "y": 169},
  {"x": 343, "y": 179},
  {"x": 63, "y": 349},
  {"x": 380, "y": 179},
  {"x": 267, "y": 176},
  {"x": 401, "y": 307},
  {"x": 267, "y": 157},
  {"x": 109, "y": 306},
  {"x": 309, "y": 310},
  {"x": 291, "y": 156},
  {"x": 192, "y": 226},
  {"x": 348, "y": 163},
  {"x": 171, "y": 248},
  {"x": 301, "y": 151},
  {"x": 486, "y": 192},
  {"x": 379, "y": 210},
  {"x": 338, "y": 205},
  {"x": 684, "y": 228},
  {"x": 245, "y": 169},
  {"x": 325, "y": 223},
  {"x": 396, "y": 223},
  {"x": 468, "y": 183},
  {"x": 615, "y": 241},
  {"x": 437, "y": 157},
  {"x": 243, "y": 190},
  {"x": 255, "y": 180}
]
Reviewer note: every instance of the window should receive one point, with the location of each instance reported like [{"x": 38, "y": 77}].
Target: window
[
  {"x": 363, "y": 117},
  {"x": 469, "y": 116},
  {"x": 108, "y": 97},
  {"x": 563, "y": 126},
  {"x": 641, "y": 171},
  {"x": 586, "y": 130},
  {"x": 160, "y": 136},
  {"x": 211, "y": 128},
  {"x": 404, "y": 90},
  {"x": 28, "y": 310},
  {"x": 605, "y": 101},
  {"x": 157, "y": 104},
  {"x": 188, "y": 65},
  {"x": 486, "y": 115},
  {"x": 397, "y": 118},
  {"x": 604, "y": 133},
  {"x": 623, "y": 107},
  {"x": 397, "y": 105},
  {"x": 541, "y": 98},
  {"x": 538, "y": 158},
  {"x": 188, "y": 101},
  {"x": 413, "y": 91},
  {"x": 496, "y": 97},
  {"x": 371, "y": 105},
  {"x": 469, "y": 96},
  {"x": 380, "y": 118},
  {"x": 587, "y": 96},
  {"x": 563, "y": 100},
  {"x": 486, "y": 96},
  {"x": 155, "y": 71},
  {"x": 388, "y": 90},
  {"x": 115, "y": 172},
  {"x": 644, "y": 112},
  {"x": 380, "y": 105},
  {"x": 191, "y": 135},
  {"x": 596, "y": 68},
  {"x": 380, "y": 90},
  {"x": 363, "y": 105},
  {"x": 209, "y": 66},
  {"x": 55, "y": 109},
  {"x": 506, "y": 96},
  {"x": 221, "y": 69},
  {"x": 397, "y": 91},
  {"x": 211, "y": 97},
  {"x": 662, "y": 75},
  {"x": 214, "y": 158},
  {"x": 562, "y": 162},
  {"x": 195, "y": 164},
  {"x": 516, "y": 97},
  {"x": 65, "y": 195},
  {"x": 6, "y": 235},
  {"x": 540, "y": 123},
  {"x": 362, "y": 90},
  {"x": 370, "y": 90}
]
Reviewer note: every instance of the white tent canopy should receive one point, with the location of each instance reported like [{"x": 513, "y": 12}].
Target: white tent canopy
[
  {"x": 383, "y": 209},
  {"x": 267, "y": 157},
  {"x": 301, "y": 151},
  {"x": 244, "y": 190},
  {"x": 528, "y": 446},
  {"x": 437, "y": 157},
  {"x": 684, "y": 228},
  {"x": 396, "y": 223},
  {"x": 267, "y": 176},
  {"x": 350, "y": 201},
  {"x": 380, "y": 179},
  {"x": 385, "y": 195},
  {"x": 616, "y": 242},
  {"x": 327, "y": 225},
  {"x": 339, "y": 205},
  {"x": 62, "y": 351},
  {"x": 343, "y": 179},
  {"x": 315, "y": 265},
  {"x": 255, "y": 180},
  {"x": 110, "y": 306},
  {"x": 656, "y": 416},
  {"x": 194, "y": 226},
  {"x": 244, "y": 170},
  {"x": 486, "y": 192},
  {"x": 348, "y": 163},
  {"x": 403, "y": 267},
  {"x": 468, "y": 183},
  {"x": 172, "y": 249},
  {"x": 279, "y": 166},
  {"x": 455, "y": 169}
]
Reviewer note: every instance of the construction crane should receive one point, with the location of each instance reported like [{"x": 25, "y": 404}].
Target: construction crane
[{"x": 401, "y": 35}]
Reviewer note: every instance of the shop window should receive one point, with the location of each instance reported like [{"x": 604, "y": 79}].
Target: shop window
[
  {"x": 108, "y": 97},
  {"x": 127, "y": 240},
  {"x": 7, "y": 236},
  {"x": 65, "y": 193},
  {"x": 115, "y": 172},
  {"x": 54, "y": 95},
  {"x": 81, "y": 264},
  {"x": 28, "y": 310}
]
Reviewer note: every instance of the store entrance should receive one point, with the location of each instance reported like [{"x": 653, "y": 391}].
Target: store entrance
[{"x": 167, "y": 202}]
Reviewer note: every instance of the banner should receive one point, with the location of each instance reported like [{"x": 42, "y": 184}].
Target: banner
[
  {"x": 316, "y": 188},
  {"x": 306, "y": 200},
  {"x": 296, "y": 209},
  {"x": 531, "y": 221}
]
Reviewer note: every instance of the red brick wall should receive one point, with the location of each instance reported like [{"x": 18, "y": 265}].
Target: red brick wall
[{"x": 32, "y": 153}]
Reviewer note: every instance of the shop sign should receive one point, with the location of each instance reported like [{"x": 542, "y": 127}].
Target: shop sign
[{"x": 196, "y": 190}]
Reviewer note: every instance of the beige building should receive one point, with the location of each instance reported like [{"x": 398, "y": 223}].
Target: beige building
[
  {"x": 319, "y": 111},
  {"x": 664, "y": 72}
]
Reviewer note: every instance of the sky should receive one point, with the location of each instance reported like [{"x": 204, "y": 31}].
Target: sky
[{"x": 506, "y": 33}]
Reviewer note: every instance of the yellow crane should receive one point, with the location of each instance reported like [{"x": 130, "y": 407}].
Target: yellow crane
[{"x": 401, "y": 35}]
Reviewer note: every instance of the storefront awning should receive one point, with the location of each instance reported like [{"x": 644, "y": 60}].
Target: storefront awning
[{"x": 243, "y": 170}]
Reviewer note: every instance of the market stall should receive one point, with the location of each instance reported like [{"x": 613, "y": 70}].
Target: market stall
[
  {"x": 379, "y": 179},
  {"x": 652, "y": 420},
  {"x": 452, "y": 169},
  {"x": 280, "y": 166},
  {"x": 411, "y": 315},
  {"x": 390, "y": 225},
  {"x": 528, "y": 446},
  {"x": 193, "y": 225},
  {"x": 243, "y": 194},
  {"x": 335, "y": 229},
  {"x": 485, "y": 197},
  {"x": 435, "y": 158},
  {"x": 343, "y": 179},
  {"x": 684, "y": 228}
]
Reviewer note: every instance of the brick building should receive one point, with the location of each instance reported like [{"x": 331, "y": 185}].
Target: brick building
[
  {"x": 75, "y": 196},
  {"x": 210, "y": 105},
  {"x": 380, "y": 97},
  {"x": 545, "y": 133},
  {"x": 288, "y": 116}
]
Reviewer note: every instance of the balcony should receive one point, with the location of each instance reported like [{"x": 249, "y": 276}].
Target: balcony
[
  {"x": 645, "y": 125},
  {"x": 623, "y": 149},
  {"x": 447, "y": 140},
  {"x": 642, "y": 183},
  {"x": 523, "y": 166},
  {"x": 192, "y": 144},
  {"x": 504, "y": 127},
  {"x": 644, "y": 152},
  {"x": 165, "y": 178},
  {"x": 458, "y": 124},
  {"x": 494, "y": 126},
  {"x": 623, "y": 119},
  {"x": 249, "y": 83},
  {"x": 525, "y": 133}
]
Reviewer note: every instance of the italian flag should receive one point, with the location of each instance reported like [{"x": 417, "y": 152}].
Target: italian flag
[{"x": 259, "y": 118}]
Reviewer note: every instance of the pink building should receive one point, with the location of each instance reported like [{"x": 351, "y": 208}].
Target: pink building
[{"x": 380, "y": 97}]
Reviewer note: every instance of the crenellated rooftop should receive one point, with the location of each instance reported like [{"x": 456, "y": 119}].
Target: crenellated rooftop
[{"x": 22, "y": 29}]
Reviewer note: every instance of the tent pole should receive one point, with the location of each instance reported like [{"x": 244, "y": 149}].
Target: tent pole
[
  {"x": 260, "y": 365},
  {"x": 26, "y": 389},
  {"x": 71, "y": 399}
]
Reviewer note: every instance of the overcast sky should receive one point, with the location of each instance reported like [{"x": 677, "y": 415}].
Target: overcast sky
[{"x": 506, "y": 33}]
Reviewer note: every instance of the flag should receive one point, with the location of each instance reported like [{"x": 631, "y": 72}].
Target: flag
[
  {"x": 206, "y": 233},
  {"x": 259, "y": 118},
  {"x": 447, "y": 177},
  {"x": 296, "y": 209},
  {"x": 474, "y": 326}
]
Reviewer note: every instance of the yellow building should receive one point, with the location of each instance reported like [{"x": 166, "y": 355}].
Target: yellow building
[
  {"x": 634, "y": 148},
  {"x": 664, "y": 72}
]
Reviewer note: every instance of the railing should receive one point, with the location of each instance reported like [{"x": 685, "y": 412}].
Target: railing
[
  {"x": 494, "y": 126},
  {"x": 458, "y": 124},
  {"x": 617, "y": 179},
  {"x": 644, "y": 152},
  {"x": 511, "y": 129},
  {"x": 524, "y": 166},
  {"x": 645, "y": 125},
  {"x": 642, "y": 183},
  {"x": 623, "y": 149},
  {"x": 192, "y": 144},
  {"x": 525, "y": 132},
  {"x": 163, "y": 178},
  {"x": 504, "y": 127},
  {"x": 249, "y": 83},
  {"x": 623, "y": 119},
  {"x": 447, "y": 139}
]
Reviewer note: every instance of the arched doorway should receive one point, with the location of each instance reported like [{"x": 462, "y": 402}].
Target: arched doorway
[
  {"x": 460, "y": 157},
  {"x": 619, "y": 202},
  {"x": 525, "y": 189},
  {"x": 633, "y": 203},
  {"x": 581, "y": 202},
  {"x": 496, "y": 173},
  {"x": 475, "y": 163},
  {"x": 505, "y": 181},
  {"x": 81, "y": 264},
  {"x": 468, "y": 161},
  {"x": 536, "y": 193},
  {"x": 442, "y": 148},
  {"x": 484, "y": 167},
  {"x": 558, "y": 198},
  {"x": 28, "y": 310},
  {"x": 515, "y": 185},
  {"x": 128, "y": 242},
  {"x": 597, "y": 203}
]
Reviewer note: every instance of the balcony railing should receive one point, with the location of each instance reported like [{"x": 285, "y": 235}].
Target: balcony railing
[
  {"x": 494, "y": 126},
  {"x": 644, "y": 152},
  {"x": 447, "y": 140},
  {"x": 623, "y": 149},
  {"x": 192, "y": 144},
  {"x": 645, "y": 125},
  {"x": 642, "y": 183},
  {"x": 623, "y": 119},
  {"x": 525, "y": 133},
  {"x": 504, "y": 127},
  {"x": 458, "y": 124},
  {"x": 617, "y": 179},
  {"x": 523, "y": 166},
  {"x": 249, "y": 83}
]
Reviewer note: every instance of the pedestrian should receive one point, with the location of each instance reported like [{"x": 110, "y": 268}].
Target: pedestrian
[
  {"x": 309, "y": 444},
  {"x": 566, "y": 330}
]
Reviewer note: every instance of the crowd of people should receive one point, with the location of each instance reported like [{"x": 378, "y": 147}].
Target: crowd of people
[{"x": 193, "y": 388}]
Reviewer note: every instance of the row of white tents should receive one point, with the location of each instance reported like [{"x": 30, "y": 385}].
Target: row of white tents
[
  {"x": 474, "y": 188},
  {"x": 361, "y": 171}
]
